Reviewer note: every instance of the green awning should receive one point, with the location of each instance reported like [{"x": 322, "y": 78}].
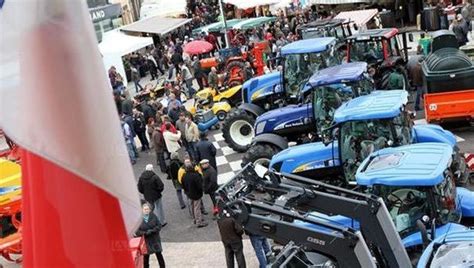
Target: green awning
[
  {"x": 220, "y": 26},
  {"x": 253, "y": 23}
]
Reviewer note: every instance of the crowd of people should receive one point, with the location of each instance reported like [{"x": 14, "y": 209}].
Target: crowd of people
[{"x": 184, "y": 155}]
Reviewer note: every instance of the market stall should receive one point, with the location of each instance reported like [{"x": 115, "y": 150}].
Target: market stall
[
  {"x": 115, "y": 45},
  {"x": 253, "y": 23}
]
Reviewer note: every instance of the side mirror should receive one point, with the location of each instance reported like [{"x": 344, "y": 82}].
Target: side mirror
[
  {"x": 355, "y": 27},
  {"x": 410, "y": 37}
]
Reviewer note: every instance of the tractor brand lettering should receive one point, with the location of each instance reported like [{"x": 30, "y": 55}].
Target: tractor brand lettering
[
  {"x": 316, "y": 241},
  {"x": 97, "y": 15},
  {"x": 433, "y": 107}
]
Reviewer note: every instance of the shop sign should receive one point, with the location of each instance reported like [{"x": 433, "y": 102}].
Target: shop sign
[{"x": 105, "y": 12}]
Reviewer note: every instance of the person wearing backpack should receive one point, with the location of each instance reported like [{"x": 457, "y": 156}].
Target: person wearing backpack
[{"x": 151, "y": 186}]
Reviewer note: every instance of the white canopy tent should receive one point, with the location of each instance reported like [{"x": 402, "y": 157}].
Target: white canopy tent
[
  {"x": 162, "y": 8},
  {"x": 244, "y": 4},
  {"x": 115, "y": 45}
]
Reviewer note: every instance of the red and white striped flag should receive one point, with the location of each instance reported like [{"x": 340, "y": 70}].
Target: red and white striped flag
[{"x": 79, "y": 194}]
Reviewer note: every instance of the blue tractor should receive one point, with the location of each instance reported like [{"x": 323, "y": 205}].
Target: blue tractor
[
  {"x": 300, "y": 60},
  {"x": 361, "y": 126},
  {"x": 417, "y": 183},
  {"x": 327, "y": 89},
  {"x": 452, "y": 249}
]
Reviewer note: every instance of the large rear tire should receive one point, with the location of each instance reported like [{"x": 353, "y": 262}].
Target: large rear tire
[
  {"x": 260, "y": 154},
  {"x": 234, "y": 70},
  {"x": 237, "y": 130}
]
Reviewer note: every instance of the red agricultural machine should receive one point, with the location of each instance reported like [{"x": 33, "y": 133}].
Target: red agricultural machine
[{"x": 231, "y": 63}]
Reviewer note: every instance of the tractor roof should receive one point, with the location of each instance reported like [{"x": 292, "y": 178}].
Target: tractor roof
[
  {"x": 376, "y": 105},
  {"x": 421, "y": 164},
  {"x": 323, "y": 23},
  {"x": 374, "y": 33},
  {"x": 348, "y": 72},
  {"x": 313, "y": 45}
]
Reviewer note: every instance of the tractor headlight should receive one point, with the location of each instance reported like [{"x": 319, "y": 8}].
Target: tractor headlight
[
  {"x": 329, "y": 264},
  {"x": 260, "y": 127}
]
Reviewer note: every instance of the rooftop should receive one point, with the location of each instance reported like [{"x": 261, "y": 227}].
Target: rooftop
[
  {"x": 313, "y": 45},
  {"x": 376, "y": 105},
  {"x": 421, "y": 164},
  {"x": 347, "y": 72}
]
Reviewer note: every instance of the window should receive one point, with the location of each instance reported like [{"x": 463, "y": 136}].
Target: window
[{"x": 369, "y": 51}]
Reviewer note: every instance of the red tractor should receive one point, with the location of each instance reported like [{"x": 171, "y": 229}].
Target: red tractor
[
  {"x": 231, "y": 63},
  {"x": 385, "y": 50}
]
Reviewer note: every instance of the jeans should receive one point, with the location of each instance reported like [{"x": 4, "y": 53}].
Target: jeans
[
  {"x": 191, "y": 148},
  {"x": 131, "y": 152},
  {"x": 189, "y": 85},
  {"x": 420, "y": 92},
  {"x": 159, "y": 256},
  {"x": 262, "y": 248},
  {"x": 159, "y": 212},
  {"x": 234, "y": 249},
  {"x": 138, "y": 87},
  {"x": 179, "y": 194}
]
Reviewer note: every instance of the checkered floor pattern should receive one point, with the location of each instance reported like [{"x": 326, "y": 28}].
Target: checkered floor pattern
[{"x": 228, "y": 161}]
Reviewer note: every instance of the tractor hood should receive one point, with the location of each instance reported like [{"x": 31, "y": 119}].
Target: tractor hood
[
  {"x": 286, "y": 117},
  {"x": 306, "y": 157},
  {"x": 432, "y": 133},
  {"x": 261, "y": 86}
]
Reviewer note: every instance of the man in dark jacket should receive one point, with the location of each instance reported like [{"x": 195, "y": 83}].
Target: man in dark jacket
[
  {"x": 192, "y": 185},
  {"x": 209, "y": 182},
  {"x": 159, "y": 145},
  {"x": 151, "y": 186},
  {"x": 206, "y": 150},
  {"x": 231, "y": 236}
]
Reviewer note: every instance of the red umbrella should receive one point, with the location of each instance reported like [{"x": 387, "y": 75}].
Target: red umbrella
[{"x": 198, "y": 47}]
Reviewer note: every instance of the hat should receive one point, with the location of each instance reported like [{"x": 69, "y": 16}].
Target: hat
[
  {"x": 149, "y": 167},
  {"x": 459, "y": 17},
  {"x": 204, "y": 161}
]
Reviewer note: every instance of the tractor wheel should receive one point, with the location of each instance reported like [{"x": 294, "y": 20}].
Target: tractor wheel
[
  {"x": 238, "y": 130},
  {"x": 260, "y": 154},
  {"x": 221, "y": 115},
  {"x": 235, "y": 83},
  {"x": 234, "y": 70}
]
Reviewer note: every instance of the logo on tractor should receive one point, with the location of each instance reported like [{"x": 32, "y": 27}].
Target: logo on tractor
[
  {"x": 433, "y": 107},
  {"x": 316, "y": 241}
]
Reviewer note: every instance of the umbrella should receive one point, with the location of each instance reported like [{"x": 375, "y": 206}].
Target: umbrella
[
  {"x": 244, "y": 4},
  {"x": 198, "y": 47}
]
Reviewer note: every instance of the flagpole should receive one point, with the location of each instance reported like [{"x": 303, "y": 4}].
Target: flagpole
[{"x": 226, "y": 37}]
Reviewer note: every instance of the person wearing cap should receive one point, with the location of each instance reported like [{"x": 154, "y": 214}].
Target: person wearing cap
[
  {"x": 206, "y": 150},
  {"x": 417, "y": 81},
  {"x": 209, "y": 181},
  {"x": 460, "y": 30},
  {"x": 151, "y": 186}
]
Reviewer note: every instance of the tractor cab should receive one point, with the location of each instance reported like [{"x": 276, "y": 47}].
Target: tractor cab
[
  {"x": 370, "y": 123},
  {"x": 416, "y": 183},
  {"x": 301, "y": 59},
  {"x": 338, "y": 28},
  {"x": 333, "y": 86},
  {"x": 384, "y": 49}
]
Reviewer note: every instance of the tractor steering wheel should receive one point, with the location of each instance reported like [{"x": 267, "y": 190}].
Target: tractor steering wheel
[{"x": 397, "y": 202}]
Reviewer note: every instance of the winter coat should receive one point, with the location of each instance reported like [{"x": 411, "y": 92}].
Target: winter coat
[
  {"x": 206, "y": 150},
  {"x": 209, "y": 180},
  {"x": 181, "y": 126},
  {"x": 173, "y": 170},
  {"x": 417, "y": 75},
  {"x": 150, "y": 185},
  {"x": 230, "y": 230},
  {"x": 151, "y": 231},
  {"x": 192, "y": 185},
  {"x": 158, "y": 140},
  {"x": 192, "y": 132},
  {"x": 172, "y": 141},
  {"x": 127, "y": 107}
]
